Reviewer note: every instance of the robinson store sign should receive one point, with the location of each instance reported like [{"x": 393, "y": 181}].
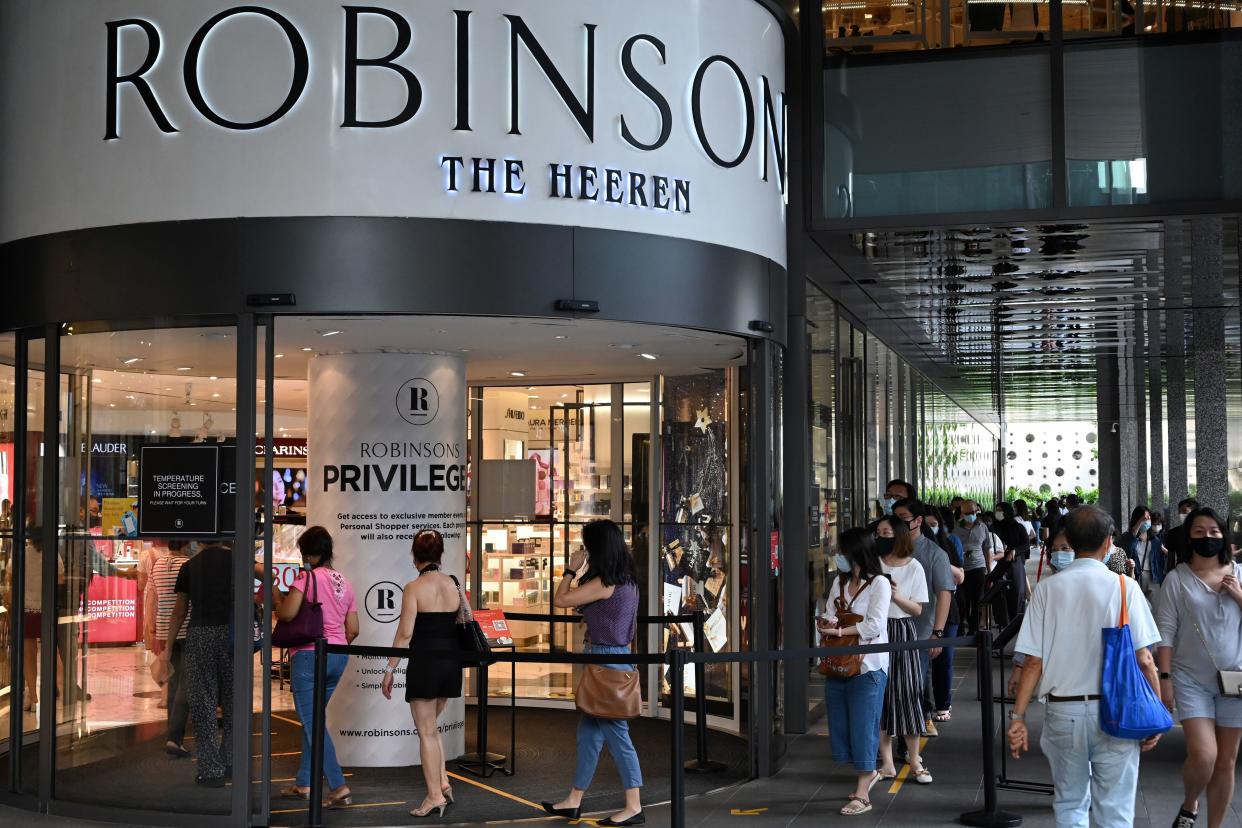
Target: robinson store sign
[{"x": 657, "y": 116}]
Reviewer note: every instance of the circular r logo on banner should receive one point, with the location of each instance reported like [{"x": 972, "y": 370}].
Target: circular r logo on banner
[
  {"x": 383, "y": 602},
  {"x": 418, "y": 402}
]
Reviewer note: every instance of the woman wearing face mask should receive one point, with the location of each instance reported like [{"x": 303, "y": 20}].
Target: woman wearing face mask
[
  {"x": 1199, "y": 615},
  {"x": 854, "y": 704},
  {"x": 1060, "y": 555},
  {"x": 1144, "y": 548},
  {"x": 903, "y": 698}
]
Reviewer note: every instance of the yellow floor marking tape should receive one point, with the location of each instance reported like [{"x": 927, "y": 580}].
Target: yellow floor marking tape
[{"x": 905, "y": 769}]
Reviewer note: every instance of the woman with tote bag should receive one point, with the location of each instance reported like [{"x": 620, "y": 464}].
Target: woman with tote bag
[{"x": 602, "y": 584}]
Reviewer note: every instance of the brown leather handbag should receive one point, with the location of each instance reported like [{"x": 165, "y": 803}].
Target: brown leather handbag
[
  {"x": 844, "y": 666},
  {"x": 608, "y": 694}
]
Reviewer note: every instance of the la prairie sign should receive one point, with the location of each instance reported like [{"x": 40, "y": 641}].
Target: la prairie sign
[{"x": 656, "y": 116}]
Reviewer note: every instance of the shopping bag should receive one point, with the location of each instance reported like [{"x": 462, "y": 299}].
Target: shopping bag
[{"x": 1129, "y": 707}]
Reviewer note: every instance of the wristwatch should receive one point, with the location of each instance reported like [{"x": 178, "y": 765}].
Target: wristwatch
[
  {"x": 937, "y": 634},
  {"x": 1017, "y": 717},
  {"x": 1165, "y": 676}
]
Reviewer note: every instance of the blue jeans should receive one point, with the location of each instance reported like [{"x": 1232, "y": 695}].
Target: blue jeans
[
  {"x": 942, "y": 673},
  {"x": 302, "y": 678},
  {"x": 1095, "y": 775},
  {"x": 593, "y": 733},
  {"x": 854, "y": 717}
]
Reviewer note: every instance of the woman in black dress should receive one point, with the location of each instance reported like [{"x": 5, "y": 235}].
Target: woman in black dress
[{"x": 429, "y": 607}]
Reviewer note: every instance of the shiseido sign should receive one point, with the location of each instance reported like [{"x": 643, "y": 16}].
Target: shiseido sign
[{"x": 659, "y": 116}]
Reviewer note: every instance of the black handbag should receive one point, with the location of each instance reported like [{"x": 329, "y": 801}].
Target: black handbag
[{"x": 470, "y": 637}]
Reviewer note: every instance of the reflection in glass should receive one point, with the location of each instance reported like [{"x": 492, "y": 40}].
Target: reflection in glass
[{"x": 696, "y": 523}]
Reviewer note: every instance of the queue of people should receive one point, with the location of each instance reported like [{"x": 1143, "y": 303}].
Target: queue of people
[{"x": 1182, "y": 591}]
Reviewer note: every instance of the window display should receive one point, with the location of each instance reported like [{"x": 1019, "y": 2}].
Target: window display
[{"x": 697, "y": 522}]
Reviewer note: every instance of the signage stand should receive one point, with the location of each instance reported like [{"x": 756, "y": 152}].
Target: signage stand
[{"x": 482, "y": 763}]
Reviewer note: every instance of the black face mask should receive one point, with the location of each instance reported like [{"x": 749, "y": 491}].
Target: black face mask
[
  {"x": 1207, "y": 547},
  {"x": 883, "y": 546}
]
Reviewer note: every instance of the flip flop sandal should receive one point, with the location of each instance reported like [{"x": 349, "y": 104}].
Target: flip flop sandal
[
  {"x": 943, "y": 716},
  {"x": 875, "y": 778},
  {"x": 850, "y": 809},
  {"x": 922, "y": 776}
]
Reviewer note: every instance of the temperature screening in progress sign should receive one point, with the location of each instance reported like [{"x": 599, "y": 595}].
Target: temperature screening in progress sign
[{"x": 180, "y": 490}]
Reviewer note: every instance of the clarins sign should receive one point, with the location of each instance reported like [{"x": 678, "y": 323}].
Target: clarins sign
[{"x": 657, "y": 116}]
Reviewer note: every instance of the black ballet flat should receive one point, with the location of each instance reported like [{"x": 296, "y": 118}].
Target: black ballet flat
[
  {"x": 637, "y": 819},
  {"x": 567, "y": 813}
]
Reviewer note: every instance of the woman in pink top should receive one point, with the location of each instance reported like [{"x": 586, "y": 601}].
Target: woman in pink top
[{"x": 335, "y": 594}]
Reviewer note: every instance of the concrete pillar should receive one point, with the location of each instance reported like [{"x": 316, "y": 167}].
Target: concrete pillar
[
  {"x": 1127, "y": 434},
  {"x": 1108, "y": 416},
  {"x": 1207, "y": 355},
  {"x": 1155, "y": 396},
  {"x": 1175, "y": 346},
  {"x": 1138, "y": 384}
]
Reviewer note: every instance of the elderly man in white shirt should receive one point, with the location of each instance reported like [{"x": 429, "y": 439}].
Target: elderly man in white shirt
[{"x": 1095, "y": 775}]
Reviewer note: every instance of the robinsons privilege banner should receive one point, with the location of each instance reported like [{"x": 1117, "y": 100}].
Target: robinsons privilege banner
[{"x": 387, "y": 458}]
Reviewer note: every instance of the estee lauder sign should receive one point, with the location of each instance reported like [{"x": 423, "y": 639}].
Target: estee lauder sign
[{"x": 527, "y": 110}]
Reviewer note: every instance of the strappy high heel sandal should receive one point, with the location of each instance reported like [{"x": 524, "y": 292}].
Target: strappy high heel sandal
[
  {"x": 427, "y": 810},
  {"x": 447, "y": 790}
]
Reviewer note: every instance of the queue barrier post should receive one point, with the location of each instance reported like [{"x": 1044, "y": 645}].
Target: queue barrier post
[
  {"x": 991, "y": 816},
  {"x": 677, "y": 715},
  {"x": 318, "y": 724},
  {"x": 701, "y": 764}
]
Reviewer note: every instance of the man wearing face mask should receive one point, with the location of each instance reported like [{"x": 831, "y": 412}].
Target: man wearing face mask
[
  {"x": 895, "y": 491},
  {"x": 1095, "y": 775},
  {"x": 977, "y": 543}
]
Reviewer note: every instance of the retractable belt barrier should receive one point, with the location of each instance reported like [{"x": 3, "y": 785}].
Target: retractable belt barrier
[{"x": 990, "y": 817}]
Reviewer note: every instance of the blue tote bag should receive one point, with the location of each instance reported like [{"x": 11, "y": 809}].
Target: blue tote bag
[{"x": 1129, "y": 708}]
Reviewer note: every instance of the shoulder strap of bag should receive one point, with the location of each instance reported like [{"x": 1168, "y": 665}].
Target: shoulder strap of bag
[
  {"x": 861, "y": 590},
  {"x": 464, "y": 614},
  {"x": 1206, "y": 647},
  {"x": 1124, "y": 620}
]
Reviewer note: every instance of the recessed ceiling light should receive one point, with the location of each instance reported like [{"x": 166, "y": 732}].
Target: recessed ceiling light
[
  {"x": 185, "y": 368},
  {"x": 517, "y": 373},
  {"x": 563, "y": 396},
  {"x": 648, "y": 356},
  {"x": 95, "y": 381},
  {"x": 280, "y": 356},
  {"x": 328, "y": 333},
  {"x": 532, "y": 396},
  {"x": 308, "y": 350},
  {"x": 193, "y": 403},
  {"x": 213, "y": 378},
  {"x": 111, "y": 405},
  {"x": 166, "y": 388},
  {"x": 129, "y": 396},
  {"x": 132, "y": 360},
  {"x": 215, "y": 396},
  {"x": 560, "y": 336}
]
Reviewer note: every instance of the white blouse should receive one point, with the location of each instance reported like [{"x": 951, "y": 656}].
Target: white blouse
[
  {"x": 911, "y": 582},
  {"x": 872, "y": 604}
]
